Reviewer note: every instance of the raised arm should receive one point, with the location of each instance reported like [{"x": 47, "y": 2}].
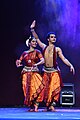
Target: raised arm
[
  {"x": 59, "y": 51},
  {"x": 42, "y": 45}
]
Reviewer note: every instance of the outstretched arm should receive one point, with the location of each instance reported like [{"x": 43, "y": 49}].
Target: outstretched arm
[
  {"x": 65, "y": 60},
  {"x": 42, "y": 45}
]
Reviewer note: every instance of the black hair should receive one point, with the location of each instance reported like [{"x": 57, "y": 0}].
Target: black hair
[
  {"x": 48, "y": 34},
  {"x": 31, "y": 38}
]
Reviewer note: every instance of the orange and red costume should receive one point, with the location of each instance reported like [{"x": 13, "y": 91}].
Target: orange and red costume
[
  {"x": 32, "y": 82},
  {"x": 52, "y": 78}
]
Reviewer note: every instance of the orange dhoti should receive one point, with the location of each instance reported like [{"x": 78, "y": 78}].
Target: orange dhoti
[
  {"x": 32, "y": 87},
  {"x": 52, "y": 88}
]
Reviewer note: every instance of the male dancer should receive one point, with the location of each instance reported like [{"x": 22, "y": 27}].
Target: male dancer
[{"x": 51, "y": 76}]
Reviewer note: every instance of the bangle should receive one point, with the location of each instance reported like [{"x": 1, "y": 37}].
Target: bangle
[{"x": 32, "y": 30}]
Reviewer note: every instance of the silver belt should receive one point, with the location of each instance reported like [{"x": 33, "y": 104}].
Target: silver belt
[
  {"x": 28, "y": 69},
  {"x": 52, "y": 69}
]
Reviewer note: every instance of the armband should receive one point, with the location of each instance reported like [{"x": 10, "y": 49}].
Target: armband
[{"x": 32, "y": 30}]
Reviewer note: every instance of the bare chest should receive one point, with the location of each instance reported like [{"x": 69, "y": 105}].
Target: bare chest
[{"x": 48, "y": 56}]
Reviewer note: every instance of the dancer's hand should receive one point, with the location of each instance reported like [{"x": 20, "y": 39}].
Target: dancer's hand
[
  {"x": 18, "y": 63},
  {"x": 72, "y": 69},
  {"x": 35, "y": 65},
  {"x": 33, "y": 24}
]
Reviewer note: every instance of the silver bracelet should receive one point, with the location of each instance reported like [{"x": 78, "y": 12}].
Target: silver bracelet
[{"x": 32, "y": 30}]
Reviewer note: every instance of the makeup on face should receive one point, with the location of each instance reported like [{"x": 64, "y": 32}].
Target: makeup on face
[
  {"x": 33, "y": 40},
  {"x": 52, "y": 36}
]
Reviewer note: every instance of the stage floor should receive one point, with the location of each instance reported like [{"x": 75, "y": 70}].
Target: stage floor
[{"x": 21, "y": 113}]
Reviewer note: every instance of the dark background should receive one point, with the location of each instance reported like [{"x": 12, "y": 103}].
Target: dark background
[{"x": 16, "y": 17}]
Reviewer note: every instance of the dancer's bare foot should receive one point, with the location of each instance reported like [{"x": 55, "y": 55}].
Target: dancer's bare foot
[
  {"x": 45, "y": 110},
  {"x": 51, "y": 108},
  {"x": 31, "y": 110},
  {"x": 35, "y": 108}
]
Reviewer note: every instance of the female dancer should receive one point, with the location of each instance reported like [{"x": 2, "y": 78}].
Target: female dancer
[{"x": 32, "y": 82}]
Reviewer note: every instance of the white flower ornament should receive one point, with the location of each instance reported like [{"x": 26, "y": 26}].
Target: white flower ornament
[{"x": 27, "y": 41}]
